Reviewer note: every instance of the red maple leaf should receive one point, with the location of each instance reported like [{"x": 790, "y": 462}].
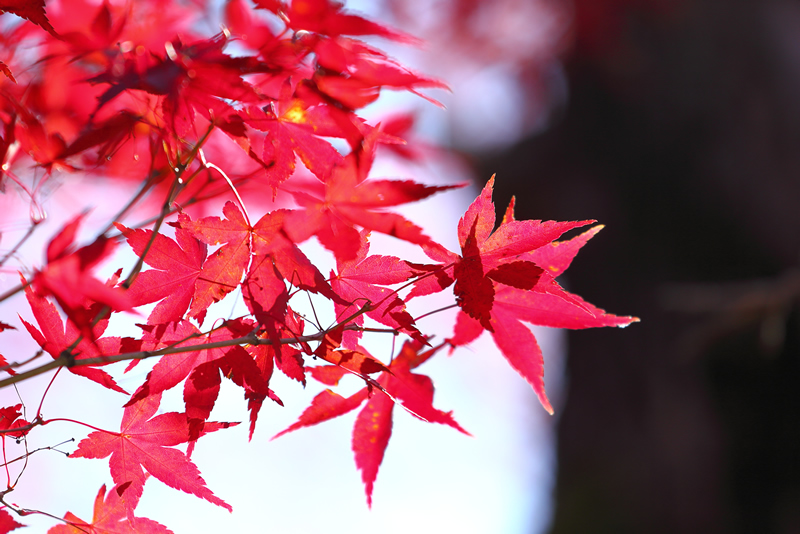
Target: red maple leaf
[
  {"x": 201, "y": 368},
  {"x": 328, "y": 18},
  {"x": 373, "y": 426},
  {"x": 290, "y": 129},
  {"x": 355, "y": 72},
  {"x": 58, "y": 338},
  {"x": 558, "y": 309},
  {"x": 361, "y": 281},
  {"x": 11, "y": 417},
  {"x": 7, "y": 523},
  {"x": 145, "y": 442},
  {"x": 173, "y": 279},
  {"x": 507, "y": 274},
  {"x": 109, "y": 517},
  {"x": 32, "y": 10},
  {"x": 68, "y": 277},
  {"x": 332, "y": 210},
  {"x": 490, "y": 256},
  {"x": 272, "y": 256}
]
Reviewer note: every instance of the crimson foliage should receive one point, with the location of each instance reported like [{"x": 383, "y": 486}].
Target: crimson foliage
[{"x": 138, "y": 82}]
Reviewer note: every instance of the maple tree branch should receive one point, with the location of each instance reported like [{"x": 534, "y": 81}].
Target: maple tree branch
[
  {"x": 22, "y": 512},
  {"x": 148, "y": 182},
  {"x": 250, "y": 339},
  {"x": 49, "y": 448},
  {"x": 13, "y": 291},
  {"x": 177, "y": 185},
  {"x": 44, "y": 395},
  {"x": 21, "y": 428},
  {"x": 34, "y": 224},
  {"x": 444, "y": 308}
]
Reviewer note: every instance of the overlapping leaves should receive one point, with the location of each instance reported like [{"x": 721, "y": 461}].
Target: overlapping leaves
[{"x": 136, "y": 90}]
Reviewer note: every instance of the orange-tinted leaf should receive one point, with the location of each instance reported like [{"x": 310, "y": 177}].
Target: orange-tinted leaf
[{"x": 357, "y": 362}]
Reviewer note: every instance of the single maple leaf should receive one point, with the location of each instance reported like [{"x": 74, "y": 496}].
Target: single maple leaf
[
  {"x": 373, "y": 426},
  {"x": 109, "y": 517},
  {"x": 173, "y": 279},
  {"x": 32, "y": 10},
  {"x": 512, "y": 306},
  {"x": 490, "y": 256},
  {"x": 145, "y": 442},
  {"x": 56, "y": 338},
  {"x": 290, "y": 130},
  {"x": 7, "y": 523}
]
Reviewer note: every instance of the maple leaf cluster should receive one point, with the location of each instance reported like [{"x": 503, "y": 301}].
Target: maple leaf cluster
[{"x": 133, "y": 92}]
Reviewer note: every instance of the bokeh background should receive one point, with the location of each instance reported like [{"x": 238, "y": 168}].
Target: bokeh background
[{"x": 677, "y": 124}]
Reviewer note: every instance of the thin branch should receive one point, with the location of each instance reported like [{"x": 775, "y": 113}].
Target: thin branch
[
  {"x": 435, "y": 311},
  {"x": 250, "y": 339},
  {"x": 15, "y": 248}
]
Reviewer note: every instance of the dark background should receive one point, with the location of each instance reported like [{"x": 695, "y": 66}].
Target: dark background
[{"x": 681, "y": 133}]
